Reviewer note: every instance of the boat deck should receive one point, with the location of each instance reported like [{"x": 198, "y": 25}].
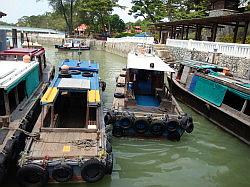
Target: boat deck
[{"x": 58, "y": 144}]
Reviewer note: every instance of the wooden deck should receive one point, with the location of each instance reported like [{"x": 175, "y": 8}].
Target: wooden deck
[{"x": 64, "y": 144}]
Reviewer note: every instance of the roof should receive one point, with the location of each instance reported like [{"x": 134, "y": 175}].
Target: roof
[
  {"x": 76, "y": 83},
  {"x": 141, "y": 61},
  {"x": 239, "y": 17},
  {"x": 2, "y": 14},
  {"x": 12, "y": 71},
  {"x": 81, "y": 27},
  {"x": 200, "y": 64},
  {"x": 23, "y": 51}
]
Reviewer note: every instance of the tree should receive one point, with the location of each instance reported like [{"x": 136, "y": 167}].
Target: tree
[
  {"x": 153, "y": 10},
  {"x": 116, "y": 23},
  {"x": 66, "y": 8}
]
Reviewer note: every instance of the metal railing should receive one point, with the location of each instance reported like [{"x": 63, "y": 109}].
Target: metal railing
[{"x": 231, "y": 49}]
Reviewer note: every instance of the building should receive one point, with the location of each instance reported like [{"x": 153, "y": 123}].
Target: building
[{"x": 81, "y": 30}]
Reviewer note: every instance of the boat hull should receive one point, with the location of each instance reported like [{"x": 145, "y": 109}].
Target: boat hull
[
  {"x": 222, "y": 118},
  {"x": 59, "y": 47}
]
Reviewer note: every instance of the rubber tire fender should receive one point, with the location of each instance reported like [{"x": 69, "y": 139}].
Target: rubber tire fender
[
  {"x": 32, "y": 175},
  {"x": 62, "y": 173},
  {"x": 10, "y": 147},
  {"x": 119, "y": 95},
  {"x": 157, "y": 128},
  {"x": 109, "y": 118},
  {"x": 120, "y": 85},
  {"x": 92, "y": 170},
  {"x": 108, "y": 147},
  {"x": 75, "y": 72},
  {"x": 174, "y": 136},
  {"x": 117, "y": 131},
  {"x": 109, "y": 163},
  {"x": 87, "y": 74},
  {"x": 125, "y": 122},
  {"x": 139, "y": 123},
  {"x": 172, "y": 125}
]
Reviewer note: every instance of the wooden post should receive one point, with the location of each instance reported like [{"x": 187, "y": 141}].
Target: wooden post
[
  {"x": 7, "y": 104},
  {"x": 172, "y": 32},
  {"x": 197, "y": 32},
  {"x": 244, "y": 107},
  {"x": 160, "y": 32},
  {"x": 187, "y": 32},
  {"x": 245, "y": 32},
  {"x": 214, "y": 32},
  {"x": 182, "y": 32},
  {"x": 52, "y": 117},
  {"x": 14, "y": 38},
  {"x": 235, "y": 32}
]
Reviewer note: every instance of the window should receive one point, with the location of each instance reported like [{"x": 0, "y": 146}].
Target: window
[
  {"x": 247, "y": 110},
  {"x": 233, "y": 100}
]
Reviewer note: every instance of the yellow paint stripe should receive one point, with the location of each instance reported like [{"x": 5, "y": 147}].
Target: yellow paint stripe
[
  {"x": 94, "y": 96},
  {"x": 49, "y": 95}
]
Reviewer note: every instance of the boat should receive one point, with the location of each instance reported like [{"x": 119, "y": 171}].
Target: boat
[
  {"x": 212, "y": 91},
  {"x": 28, "y": 44},
  {"x": 69, "y": 142},
  {"x": 22, "y": 80},
  {"x": 143, "y": 105},
  {"x": 74, "y": 44}
]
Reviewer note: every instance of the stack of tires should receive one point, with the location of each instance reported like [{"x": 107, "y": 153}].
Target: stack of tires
[{"x": 128, "y": 125}]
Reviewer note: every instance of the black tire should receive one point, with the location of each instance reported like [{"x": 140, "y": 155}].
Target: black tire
[
  {"x": 32, "y": 175},
  {"x": 174, "y": 136},
  {"x": 122, "y": 75},
  {"x": 124, "y": 69},
  {"x": 157, "y": 128},
  {"x": 172, "y": 125},
  {"x": 108, "y": 118},
  {"x": 75, "y": 72},
  {"x": 120, "y": 85},
  {"x": 187, "y": 124},
  {"x": 109, "y": 163},
  {"x": 108, "y": 147},
  {"x": 117, "y": 131},
  {"x": 3, "y": 160},
  {"x": 141, "y": 126},
  {"x": 125, "y": 122},
  {"x": 9, "y": 147},
  {"x": 93, "y": 170},
  {"x": 62, "y": 173},
  {"x": 87, "y": 74},
  {"x": 119, "y": 95},
  {"x": 64, "y": 75},
  {"x": 103, "y": 85}
]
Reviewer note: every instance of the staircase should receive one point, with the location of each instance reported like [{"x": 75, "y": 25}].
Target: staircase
[{"x": 163, "y": 52}]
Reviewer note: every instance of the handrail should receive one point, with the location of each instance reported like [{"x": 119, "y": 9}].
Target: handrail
[{"x": 230, "y": 49}]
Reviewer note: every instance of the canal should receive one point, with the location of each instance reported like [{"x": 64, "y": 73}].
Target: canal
[{"x": 208, "y": 157}]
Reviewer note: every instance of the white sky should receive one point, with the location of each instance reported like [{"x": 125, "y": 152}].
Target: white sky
[{"x": 17, "y": 8}]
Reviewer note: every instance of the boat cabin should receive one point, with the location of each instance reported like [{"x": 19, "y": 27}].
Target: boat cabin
[
  {"x": 18, "y": 81},
  {"x": 74, "y": 43},
  {"x": 146, "y": 77},
  {"x": 216, "y": 85}
]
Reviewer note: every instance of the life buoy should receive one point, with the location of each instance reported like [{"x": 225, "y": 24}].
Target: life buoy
[
  {"x": 87, "y": 74},
  {"x": 125, "y": 122},
  {"x": 120, "y": 85},
  {"x": 172, "y": 125},
  {"x": 141, "y": 125},
  {"x": 92, "y": 170},
  {"x": 109, "y": 163},
  {"x": 157, "y": 128},
  {"x": 119, "y": 95},
  {"x": 108, "y": 147},
  {"x": 32, "y": 175},
  {"x": 62, "y": 173},
  {"x": 117, "y": 131},
  {"x": 109, "y": 118}
]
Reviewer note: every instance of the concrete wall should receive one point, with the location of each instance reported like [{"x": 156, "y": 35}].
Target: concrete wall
[{"x": 238, "y": 66}]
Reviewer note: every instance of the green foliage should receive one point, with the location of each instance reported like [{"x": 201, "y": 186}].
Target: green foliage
[
  {"x": 229, "y": 39},
  {"x": 5, "y": 23},
  {"x": 116, "y": 24},
  {"x": 124, "y": 34}
]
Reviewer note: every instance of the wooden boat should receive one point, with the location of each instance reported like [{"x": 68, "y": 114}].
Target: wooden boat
[
  {"x": 213, "y": 92},
  {"x": 21, "y": 84},
  {"x": 71, "y": 143},
  {"x": 74, "y": 44},
  {"x": 34, "y": 45},
  {"x": 143, "y": 105}
]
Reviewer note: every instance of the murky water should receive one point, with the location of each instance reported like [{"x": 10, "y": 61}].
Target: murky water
[{"x": 207, "y": 157}]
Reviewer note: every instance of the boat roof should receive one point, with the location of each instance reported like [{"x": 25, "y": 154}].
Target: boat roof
[
  {"x": 23, "y": 51},
  {"x": 76, "y": 83},
  {"x": 144, "y": 61},
  {"x": 199, "y": 64},
  {"x": 12, "y": 71}
]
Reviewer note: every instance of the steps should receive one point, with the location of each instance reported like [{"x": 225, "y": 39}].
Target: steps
[{"x": 163, "y": 52}]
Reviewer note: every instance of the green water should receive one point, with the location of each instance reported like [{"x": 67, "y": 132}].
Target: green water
[{"x": 207, "y": 157}]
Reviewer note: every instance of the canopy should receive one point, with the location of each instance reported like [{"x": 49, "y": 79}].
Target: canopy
[{"x": 147, "y": 62}]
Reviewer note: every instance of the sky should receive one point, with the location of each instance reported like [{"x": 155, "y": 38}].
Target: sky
[{"x": 17, "y": 8}]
